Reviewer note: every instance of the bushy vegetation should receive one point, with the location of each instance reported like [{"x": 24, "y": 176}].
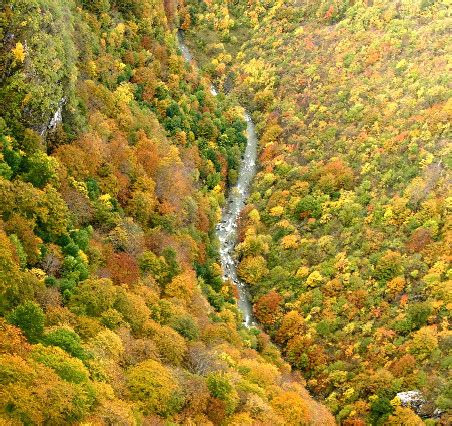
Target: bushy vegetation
[
  {"x": 114, "y": 159},
  {"x": 345, "y": 242}
]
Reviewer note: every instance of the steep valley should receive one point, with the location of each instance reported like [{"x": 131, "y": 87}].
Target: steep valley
[
  {"x": 115, "y": 160},
  {"x": 345, "y": 241},
  {"x": 222, "y": 212}
]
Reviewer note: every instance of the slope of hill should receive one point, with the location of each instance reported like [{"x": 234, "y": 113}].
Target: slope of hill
[
  {"x": 346, "y": 238},
  {"x": 113, "y": 163}
]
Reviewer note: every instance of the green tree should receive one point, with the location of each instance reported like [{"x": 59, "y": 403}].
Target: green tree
[
  {"x": 40, "y": 169},
  {"x": 65, "y": 339},
  {"x": 29, "y": 317},
  {"x": 93, "y": 297},
  {"x": 220, "y": 387},
  {"x": 186, "y": 326}
]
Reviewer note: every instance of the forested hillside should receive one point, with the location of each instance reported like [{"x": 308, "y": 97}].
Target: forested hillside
[
  {"x": 114, "y": 160},
  {"x": 345, "y": 242}
]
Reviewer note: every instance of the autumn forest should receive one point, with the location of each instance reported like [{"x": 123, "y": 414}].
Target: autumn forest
[{"x": 225, "y": 212}]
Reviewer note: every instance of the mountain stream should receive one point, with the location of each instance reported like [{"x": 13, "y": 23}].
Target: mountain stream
[{"x": 238, "y": 194}]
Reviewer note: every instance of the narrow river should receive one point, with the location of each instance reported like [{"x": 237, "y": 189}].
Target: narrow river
[
  {"x": 227, "y": 228},
  {"x": 238, "y": 194}
]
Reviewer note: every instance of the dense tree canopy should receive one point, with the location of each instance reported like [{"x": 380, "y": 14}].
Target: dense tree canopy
[
  {"x": 114, "y": 160},
  {"x": 345, "y": 242}
]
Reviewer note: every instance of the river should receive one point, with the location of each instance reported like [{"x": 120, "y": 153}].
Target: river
[{"x": 237, "y": 196}]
